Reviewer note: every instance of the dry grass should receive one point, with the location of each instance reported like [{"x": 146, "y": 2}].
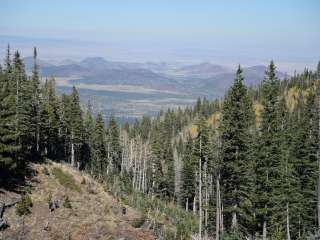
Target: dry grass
[
  {"x": 214, "y": 119},
  {"x": 65, "y": 179},
  {"x": 257, "y": 108}
]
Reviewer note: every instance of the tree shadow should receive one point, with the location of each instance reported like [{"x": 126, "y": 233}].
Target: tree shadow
[{"x": 15, "y": 179}]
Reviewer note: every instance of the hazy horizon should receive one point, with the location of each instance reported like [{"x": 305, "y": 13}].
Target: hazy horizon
[{"x": 246, "y": 32}]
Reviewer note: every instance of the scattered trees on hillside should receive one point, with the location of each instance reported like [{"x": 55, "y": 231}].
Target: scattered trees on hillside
[
  {"x": 37, "y": 123},
  {"x": 246, "y": 166}
]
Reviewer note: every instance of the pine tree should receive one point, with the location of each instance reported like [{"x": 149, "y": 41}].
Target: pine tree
[
  {"x": 188, "y": 175},
  {"x": 35, "y": 83},
  {"x": 49, "y": 126},
  {"x": 237, "y": 118},
  {"x": 169, "y": 173},
  {"x": 76, "y": 127},
  {"x": 304, "y": 153},
  {"x": 269, "y": 151},
  {"x": 113, "y": 145},
  {"x": 99, "y": 153},
  {"x": 157, "y": 174},
  {"x": 86, "y": 149},
  {"x": 285, "y": 185},
  {"x": 8, "y": 136},
  {"x": 23, "y": 108},
  {"x": 65, "y": 125}
]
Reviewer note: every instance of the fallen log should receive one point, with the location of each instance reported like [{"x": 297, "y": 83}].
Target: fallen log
[
  {"x": 12, "y": 203},
  {"x": 3, "y": 224},
  {"x": 3, "y": 206}
]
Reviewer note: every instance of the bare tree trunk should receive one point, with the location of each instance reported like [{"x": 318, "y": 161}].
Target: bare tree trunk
[
  {"x": 234, "y": 217},
  {"x": 264, "y": 230},
  {"x": 288, "y": 223},
  {"x": 218, "y": 210},
  {"x": 299, "y": 231},
  {"x": 177, "y": 174},
  {"x": 194, "y": 205},
  {"x": 234, "y": 222},
  {"x": 108, "y": 156},
  {"x": 37, "y": 137},
  {"x": 318, "y": 158},
  {"x": 144, "y": 169},
  {"x": 187, "y": 204},
  {"x": 194, "y": 208},
  {"x": 72, "y": 151},
  {"x": 122, "y": 161},
  {"x": 200, "y": 194},
  {"x": 140, "y": 167},
  {"x": 221, "y": 218},
  {"x": 153, "y": 170},
  {"x": 134, "y": 168},
  {"x": 206, "y": 210}
]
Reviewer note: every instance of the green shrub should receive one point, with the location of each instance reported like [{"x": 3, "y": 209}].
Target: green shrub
[
  {"x": 24, "y": 205},
  {"x": 235, "y": 235},
  {"x": 137, "y": 223},
  {"x": 67, "y": 202},
  {"x": 27, "y": 189},
  {"x": 65, "y": 179},
  {"x": 49, "y": 198},
  {"x": 179, "y": 222}
]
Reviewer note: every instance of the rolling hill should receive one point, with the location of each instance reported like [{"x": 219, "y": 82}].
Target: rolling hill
[{"x": 166, "y": 84}]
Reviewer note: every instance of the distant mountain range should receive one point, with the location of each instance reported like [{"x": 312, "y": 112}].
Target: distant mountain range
[
  {"x": 129, "y": 90},
  {"x": 199, "y": 79}
]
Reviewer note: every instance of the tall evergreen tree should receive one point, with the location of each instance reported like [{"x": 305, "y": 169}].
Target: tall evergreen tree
[
  {"x": 35, "y": 101},
  {"x": 86, "y": 149},
  {"x": 269, "y": 158},
  {"x": 284, "y": 193},
  {"x": 304, "y": 153},
  {"x": 188, "y": 175},
  {"x": 99, "y": 152},
  {"x": 8, "y": 136},
  {"x": 157, "y": 174},
  {"x": 24, "y": 116},
  {"x": 49, "y": 126},
  {"x": 113, "y": 145},
  {"x": 76, "y": 127},
  {"x": 237, "y": 118}
]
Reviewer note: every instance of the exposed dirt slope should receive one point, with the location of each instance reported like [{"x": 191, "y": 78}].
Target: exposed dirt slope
[{"x": 95, "y": 214}]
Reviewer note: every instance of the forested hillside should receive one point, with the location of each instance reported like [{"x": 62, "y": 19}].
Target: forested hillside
[{"x": 242, "y": 167}]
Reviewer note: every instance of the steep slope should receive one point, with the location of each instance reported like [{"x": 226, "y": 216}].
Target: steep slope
[{"x": 94, "y": 214}]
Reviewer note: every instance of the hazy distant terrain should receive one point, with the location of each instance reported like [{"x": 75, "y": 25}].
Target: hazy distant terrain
[{"x": 129, "y": 90}]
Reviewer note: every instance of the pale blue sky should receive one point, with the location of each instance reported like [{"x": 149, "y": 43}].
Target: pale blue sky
[{"x": 253, "y": 28}]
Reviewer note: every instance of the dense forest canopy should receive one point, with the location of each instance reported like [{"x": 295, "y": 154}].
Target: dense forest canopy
[{"x": 246, "y": 166}]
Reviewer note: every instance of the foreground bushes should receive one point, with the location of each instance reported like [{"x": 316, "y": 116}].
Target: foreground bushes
[
  {"x": 24, "y": 205},
  {"x": 167, "y": 220}
]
